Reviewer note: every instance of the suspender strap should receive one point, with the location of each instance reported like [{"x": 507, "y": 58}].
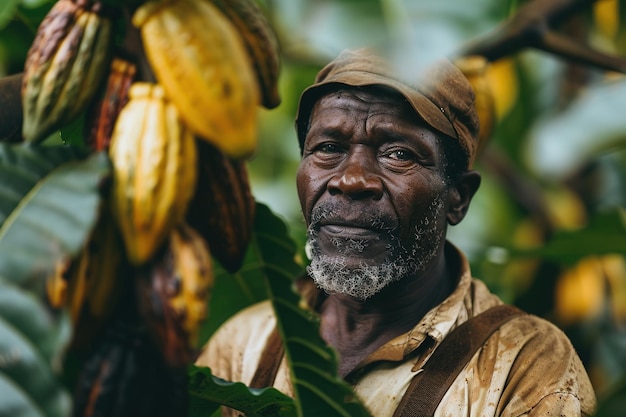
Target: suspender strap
[
  {"x": 428, "y": 387},
  {"x": 270, "y": 361}
]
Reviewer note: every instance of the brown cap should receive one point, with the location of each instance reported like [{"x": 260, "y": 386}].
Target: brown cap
[{"x": 441, "y": 96}]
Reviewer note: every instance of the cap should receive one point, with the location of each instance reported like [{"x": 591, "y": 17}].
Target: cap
[{"x": 442, "y": 96}]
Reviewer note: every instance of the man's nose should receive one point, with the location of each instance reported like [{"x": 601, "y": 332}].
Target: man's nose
[{"x": 356, "y": 180}]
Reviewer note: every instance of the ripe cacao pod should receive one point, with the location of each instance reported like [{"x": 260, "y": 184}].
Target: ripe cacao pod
[
  {"x": 173, "y": 295},
  {"x": 261, "y": 43},
  {"x": 154, "y": 170},
  {"x": 201, "y": 62},
  {"x": 101, "y": 116},
  {"x": 64, "y": 66},
  {"x": 222, "y": 209}
]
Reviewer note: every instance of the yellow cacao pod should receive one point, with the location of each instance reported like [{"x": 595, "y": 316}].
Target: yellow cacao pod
[
  {"x": 261, "y": 43},
  {"x": 222, "y": 208},
  {"x": 154, "y": 170},
  {"x": 200, "y": 60},
  {"x": 173, "y": 295},
  {"x": 56, "y": 285},
  {"x": 580, "y": 291},
  {"x": 64, "y": 66}
]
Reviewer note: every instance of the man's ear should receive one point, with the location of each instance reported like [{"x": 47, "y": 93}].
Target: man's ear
[{"x": 460, "y": 195}]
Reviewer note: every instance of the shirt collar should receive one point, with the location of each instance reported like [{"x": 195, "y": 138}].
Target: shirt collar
[{"x": 437, "y": 323}]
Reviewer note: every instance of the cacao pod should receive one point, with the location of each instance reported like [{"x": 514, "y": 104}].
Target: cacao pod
[
  {"x": 222, "y": 209},
  {"x": 201, "y": 62},
  {"x": 64, "y": 66},
  {"x": 103, "y": 113},
  {"x": 154, "y": 170},
  {"x": 261, "y": 43},
  {"x": 173, "y": 294},
  {"x": 105, "y": 268},
  {"x": 90, "y": 284},
  {"x": 125, "y": 377},
  {"x": 56, "y": 285}
]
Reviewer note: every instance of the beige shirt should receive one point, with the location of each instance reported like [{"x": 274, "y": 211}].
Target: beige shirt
[{"x": 526, "y": 368}]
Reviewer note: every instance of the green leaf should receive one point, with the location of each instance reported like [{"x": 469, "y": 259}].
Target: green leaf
[
  {"x": 15, "y": 403},
  {"x": 47, "y": 209},
  {"x": 313, "y": 364},
  {"x": 50, "y": 330},
  {"x": 234, "y": 292},
  {"x": 207, "y": 393},
  {"x": 605, "y": 234},
  {"x": 30, "y": 338}
]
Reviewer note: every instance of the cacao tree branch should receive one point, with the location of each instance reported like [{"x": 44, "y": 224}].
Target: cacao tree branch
[{"x": 532, "y": 27}]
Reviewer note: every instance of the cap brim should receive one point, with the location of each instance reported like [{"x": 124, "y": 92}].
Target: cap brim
[{"x": 425, "y": 108}]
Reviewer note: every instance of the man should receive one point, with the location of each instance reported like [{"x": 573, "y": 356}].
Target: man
[{"x": 386, "y": 166}]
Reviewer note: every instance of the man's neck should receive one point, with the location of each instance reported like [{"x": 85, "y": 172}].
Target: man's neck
[{"x": 357, "y": 328}]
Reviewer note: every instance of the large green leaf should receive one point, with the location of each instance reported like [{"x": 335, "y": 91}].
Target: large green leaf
[
  {"x": 207, "y": 393},
  {"x": 31, "y": 339},
  {"x": 49, "y": 201},
  {"x": 313, "y": 364},
  {"x": 50, "y": 330}
]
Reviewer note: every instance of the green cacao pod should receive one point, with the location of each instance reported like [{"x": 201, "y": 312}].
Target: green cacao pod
[{"x": 64, "y": 66}]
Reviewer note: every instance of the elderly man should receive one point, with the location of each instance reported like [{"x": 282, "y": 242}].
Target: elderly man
[{"x": 386, "y": 166}]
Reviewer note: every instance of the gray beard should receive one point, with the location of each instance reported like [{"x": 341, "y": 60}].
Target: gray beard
[{"x": 333, "y": 275}]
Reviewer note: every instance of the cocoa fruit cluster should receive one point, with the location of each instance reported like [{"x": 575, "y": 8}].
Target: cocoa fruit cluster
[{"x": 178, "y": 143}]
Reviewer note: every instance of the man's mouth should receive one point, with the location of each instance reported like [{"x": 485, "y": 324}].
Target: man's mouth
[{"x": 350, "y": 231}]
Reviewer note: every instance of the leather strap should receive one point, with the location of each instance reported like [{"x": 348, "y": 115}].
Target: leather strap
[
  {"x": 428, "y": 387},
  {"x": 269, "y": 362}
]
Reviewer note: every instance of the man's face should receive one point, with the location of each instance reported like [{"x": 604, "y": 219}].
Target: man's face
[{"x": 372, "y": 190}]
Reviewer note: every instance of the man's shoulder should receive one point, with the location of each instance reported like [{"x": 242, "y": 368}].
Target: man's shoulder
[{"x": 534, "y": 349}]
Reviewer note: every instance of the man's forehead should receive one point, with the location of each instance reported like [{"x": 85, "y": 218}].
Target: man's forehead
[{"x": 382, "y": 101}]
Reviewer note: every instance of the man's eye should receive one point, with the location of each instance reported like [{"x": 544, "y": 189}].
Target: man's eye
[
  {"x": 401, "y": 155},
  {"x": 328, "y": 148}
]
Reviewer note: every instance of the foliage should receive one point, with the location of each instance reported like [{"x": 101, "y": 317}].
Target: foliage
[
  {"x": 554, "y": 172},
  {"x": 53, "y": 192},
  {"x": 207, "y": 393}
]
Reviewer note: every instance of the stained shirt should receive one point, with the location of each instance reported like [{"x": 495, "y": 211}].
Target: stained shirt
[{"x": 526, "y": 368}]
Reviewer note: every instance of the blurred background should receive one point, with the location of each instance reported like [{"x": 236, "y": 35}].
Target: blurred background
[{"x": 547, "y": 229}]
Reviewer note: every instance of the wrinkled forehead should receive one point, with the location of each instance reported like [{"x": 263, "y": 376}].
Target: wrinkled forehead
[{"x": 380, "y": 98}]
